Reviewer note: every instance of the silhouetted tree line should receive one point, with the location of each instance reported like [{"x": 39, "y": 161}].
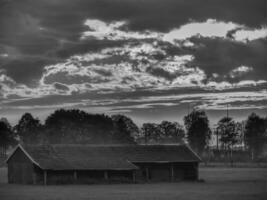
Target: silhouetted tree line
[
  {"x": 77, "y": 126},
  {"x": 252, "y": 133},
  {"x": 7, "y": 136},
  {"x": 164, "y": 132}
]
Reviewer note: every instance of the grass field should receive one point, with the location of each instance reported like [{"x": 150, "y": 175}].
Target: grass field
[{"x": 220, "y": 183}]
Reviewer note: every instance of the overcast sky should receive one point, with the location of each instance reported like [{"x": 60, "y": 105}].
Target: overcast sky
[{"x": 149, "y": 59}]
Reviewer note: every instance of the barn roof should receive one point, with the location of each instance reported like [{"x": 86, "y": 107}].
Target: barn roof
[{"x": 105, "y": 157}]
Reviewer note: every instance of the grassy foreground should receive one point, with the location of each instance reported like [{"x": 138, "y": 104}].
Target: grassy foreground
[{"x": 220, "y": 183}]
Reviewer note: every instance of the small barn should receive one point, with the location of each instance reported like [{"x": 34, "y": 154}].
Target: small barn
[{"x": 85, "y": 164}]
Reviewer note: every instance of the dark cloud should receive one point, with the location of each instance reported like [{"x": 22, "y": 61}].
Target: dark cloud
[
  {"x": 27, "y": 70},
  {"x": 147, "y": 14},
  {"x": 53, "y": 27},
  {"x": 221, "y": 56},
  {"x": 66, "y": 78},
  {"x": 61, "y": 86},
  {"x": 103, "y": 72},
  {"x": 159, "y": 72},
  {"x": 80, "y": 47}
]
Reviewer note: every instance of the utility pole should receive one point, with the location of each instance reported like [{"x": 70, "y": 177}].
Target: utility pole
[
  {"x": 217, "y": 139},
  {"x": 243, "y": 135},
  {"x": 145, "y": 137}
]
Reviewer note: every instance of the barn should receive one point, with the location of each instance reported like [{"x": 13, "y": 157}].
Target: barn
[{"x": 85, "y": 164}]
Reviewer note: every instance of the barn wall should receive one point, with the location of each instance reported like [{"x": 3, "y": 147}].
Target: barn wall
[
  {"x": 39, "y": 175},
  {"x": 60, "y": 177},
  {"x": 120, "y": 176},
  {"x": 185, "y": 171},
  {"x": 159, "y": 172},
  {"x": 153, "y": 172},
  {"x": 86, "y": 176},
  {"x": 264, "y": 149},
  {"x": 20, "y": 168},
  {"x": 90, "y": 176},
  {"x": 163, "y": 171}
]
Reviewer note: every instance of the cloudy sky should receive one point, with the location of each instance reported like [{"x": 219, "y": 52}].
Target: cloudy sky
[{"x": 148, "y": 59}]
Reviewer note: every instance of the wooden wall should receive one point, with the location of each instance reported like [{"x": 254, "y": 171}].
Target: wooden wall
[
  {"x": 120, "y": 176},
  {"x": 86, "y": 176},
  {"x": 185, "y": 171},
  {"x": 60, "y": 177},
  {"x": 20, "y": 168},
  {"x": 166, "y": 171}
]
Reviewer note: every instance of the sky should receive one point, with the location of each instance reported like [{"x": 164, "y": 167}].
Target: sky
[{"x": 151, "y": 60}]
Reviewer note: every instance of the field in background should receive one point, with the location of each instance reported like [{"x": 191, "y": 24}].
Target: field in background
[
  {"x": 220, "y": 183},
  {"x": 234, "y": 165}
]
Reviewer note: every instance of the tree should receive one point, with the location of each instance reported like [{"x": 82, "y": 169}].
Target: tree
[
  {"x": 229, "y": 131},
  {"x": 172, "y": 131},
  {"x": 151, "y": 132},
  {"x": 125, "y": 129},
  {"x": 197, "y": 129},
  {"x": 7, "y": 137},
  {"x": 254, "y": 134},
  {"x": 29, "y": 129},
  {"x": 165, "y": 132},
  {"x": 76, "y": 126}
]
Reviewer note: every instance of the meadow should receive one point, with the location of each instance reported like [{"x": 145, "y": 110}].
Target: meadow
[{"x": 219, "y": 183}]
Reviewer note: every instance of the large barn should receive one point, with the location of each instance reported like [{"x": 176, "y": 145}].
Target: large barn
[{"x": 58, "y": 164}]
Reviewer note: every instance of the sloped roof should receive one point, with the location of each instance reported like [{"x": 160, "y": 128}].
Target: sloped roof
[{"x": 105, "y": 157}]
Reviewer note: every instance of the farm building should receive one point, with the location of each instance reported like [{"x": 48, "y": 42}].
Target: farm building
[{"x": 58, "y": 164}]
